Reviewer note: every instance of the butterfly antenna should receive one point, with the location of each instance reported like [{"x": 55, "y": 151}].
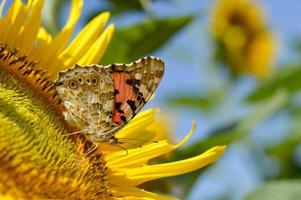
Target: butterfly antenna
[
  {"x": 135, "y": 139},
  {"x": 132, "y": 144}
]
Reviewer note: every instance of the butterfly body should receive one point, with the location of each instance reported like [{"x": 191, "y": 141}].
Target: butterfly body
[{"x": 100, "y": 100}]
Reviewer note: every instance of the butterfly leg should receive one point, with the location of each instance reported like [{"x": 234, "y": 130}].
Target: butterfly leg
[
  {"x": 92, "y": 150},
  {"x": 75, "y": 133}
]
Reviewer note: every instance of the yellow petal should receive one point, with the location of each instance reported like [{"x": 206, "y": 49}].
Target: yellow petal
[
  {"x": 162, "y": 128},
  {"x": 143, "y": 174},
  {"x": 51, "y": 52},
  {"x": 8, "y": 22},
  {"x": 31, "y": 27},
  {"x": 43, "y": 38},
  {"x": 138, "y": 124},
  {"x": 129, "y": 134},
  {"x": 188, "y": 135},
  {"x": 139, "y": 156},
  {"x": 131, "y": 193},
  {"x": 94, "y": 54},
  {"x": 6, "y": 197},
  {"x": 84, "y": 39}
]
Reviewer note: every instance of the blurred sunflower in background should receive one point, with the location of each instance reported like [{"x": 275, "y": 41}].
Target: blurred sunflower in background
[
  {"x": 37, "y": 158},
  {"x": 243, "y": 41}
]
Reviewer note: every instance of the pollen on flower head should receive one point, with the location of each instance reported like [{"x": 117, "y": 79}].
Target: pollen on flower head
[{"x": 25, "y": 69}]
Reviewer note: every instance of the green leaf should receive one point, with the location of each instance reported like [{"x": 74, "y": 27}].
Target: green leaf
[
  {"x": 191, "y": 101},
  {"x": 287, "y": 79},
  {"x": 117, "y": 7},
  {"x": 284, "y": 152},
  {"x": 297, "y": 44},
  {"x": 133, "y": 42},
  {"x": 121, "y": 6},
  {"x": 277, "y": 190}
]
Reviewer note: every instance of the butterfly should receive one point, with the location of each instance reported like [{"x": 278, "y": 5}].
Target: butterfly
[{"x": 101, "y": 100}]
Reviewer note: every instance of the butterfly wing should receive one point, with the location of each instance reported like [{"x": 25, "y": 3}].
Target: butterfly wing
[
  {"x": 88, "y": 96},
  {"x": 100, "y": 110},
  {"x": 134, "y": 84}
]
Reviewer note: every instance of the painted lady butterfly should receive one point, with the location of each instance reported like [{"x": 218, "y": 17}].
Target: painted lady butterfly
[{"x": 100, "y": 100}]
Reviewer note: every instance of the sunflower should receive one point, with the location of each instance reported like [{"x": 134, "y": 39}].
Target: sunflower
[
  {"x": 243, "y": 40},
  {"x": 39, "y": 159}
]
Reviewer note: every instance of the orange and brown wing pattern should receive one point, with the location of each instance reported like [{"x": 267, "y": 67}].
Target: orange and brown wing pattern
[
  {"x": 134, "y": 84},
  {"x": 99, "y": 100}
]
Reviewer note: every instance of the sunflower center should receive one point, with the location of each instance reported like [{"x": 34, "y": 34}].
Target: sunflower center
[
  {"x": 37, "y": 160},
  {"x": 24, "y": 69}
]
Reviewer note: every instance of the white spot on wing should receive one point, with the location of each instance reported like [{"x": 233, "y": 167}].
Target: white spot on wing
[
  {"x": 92, "y": 98},
  {"x": 138, "y": 76}
]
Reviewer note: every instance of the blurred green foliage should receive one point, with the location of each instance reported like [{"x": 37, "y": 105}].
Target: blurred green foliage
[
  {"x": 195, "y": 102},
  {"x": 138, "y": 40},
  {"x": 288, "y": 79},
  {"x": 284, "y": 152},
  {"x": 277, "y": 190},
  {"x": 117, "y": 7}
]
